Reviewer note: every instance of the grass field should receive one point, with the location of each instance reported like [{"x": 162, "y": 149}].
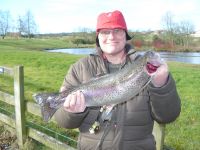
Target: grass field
[{"x": 45, "y": 72}]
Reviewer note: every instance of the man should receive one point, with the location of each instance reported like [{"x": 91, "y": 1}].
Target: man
[{"x": 126, "y": 126}]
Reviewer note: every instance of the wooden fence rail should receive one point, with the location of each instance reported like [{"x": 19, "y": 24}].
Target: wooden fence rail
[{"x": 19, "y": 123}]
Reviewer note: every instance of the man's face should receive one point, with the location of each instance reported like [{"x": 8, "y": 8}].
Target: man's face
[{"x": 112, "y": 41}]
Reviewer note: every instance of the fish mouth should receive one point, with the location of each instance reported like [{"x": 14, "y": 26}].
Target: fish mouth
[{"x": 151, "y": 68}]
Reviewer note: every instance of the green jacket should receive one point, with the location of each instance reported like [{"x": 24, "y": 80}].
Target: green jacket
[{"x": 132, "y": 122}]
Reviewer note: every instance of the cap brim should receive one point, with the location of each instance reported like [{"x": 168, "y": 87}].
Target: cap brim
[{"x": 128, "y": 37}]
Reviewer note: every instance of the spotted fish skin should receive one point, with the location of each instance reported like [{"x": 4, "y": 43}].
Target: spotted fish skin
[{"x": 105, "y": 90}]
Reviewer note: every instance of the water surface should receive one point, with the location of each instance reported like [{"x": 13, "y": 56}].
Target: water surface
[{"x": 189, "y": 57}]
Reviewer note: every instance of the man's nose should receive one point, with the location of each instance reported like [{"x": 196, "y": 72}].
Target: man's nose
[{"x": 111, "y": 35}]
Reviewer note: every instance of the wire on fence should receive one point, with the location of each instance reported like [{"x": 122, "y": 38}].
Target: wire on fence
[
  {"x": 33, "y": 125},
  {"x": 39, "y": 127},
  {"x": 6, "y": 112}
]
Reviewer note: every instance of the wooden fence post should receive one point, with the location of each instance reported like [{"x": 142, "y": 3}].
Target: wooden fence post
[
  {"x": 19, "y": 105},
  {"x": 159, "y": 134}
]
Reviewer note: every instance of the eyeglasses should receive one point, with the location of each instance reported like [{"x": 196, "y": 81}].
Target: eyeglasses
[{"x": 115, "y": 32}]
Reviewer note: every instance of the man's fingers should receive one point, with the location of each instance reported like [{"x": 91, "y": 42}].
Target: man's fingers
[
  {"x": 67, "y": 102},
  {"x": 78, "y": 102},
  {"x": 73, "y": 100},
  {"x": 82, "y": 98}
]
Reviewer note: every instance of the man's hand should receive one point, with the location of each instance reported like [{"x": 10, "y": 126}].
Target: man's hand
[
  {"x": 75, "y": 102},
  {"x": 161, "y": 75}
]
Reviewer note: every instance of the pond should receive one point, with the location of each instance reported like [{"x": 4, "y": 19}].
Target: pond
[{"x": 189, "y": 57}]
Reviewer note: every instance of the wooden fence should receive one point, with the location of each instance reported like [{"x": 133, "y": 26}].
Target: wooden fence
[{"x": 19, "y": 123}]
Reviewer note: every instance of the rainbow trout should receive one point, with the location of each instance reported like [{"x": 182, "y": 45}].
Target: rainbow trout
[{"x": 108, "y": 89}]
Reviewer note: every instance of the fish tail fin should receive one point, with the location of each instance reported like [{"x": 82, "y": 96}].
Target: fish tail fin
[
  {"x": 47, "y": 112},
  {"x": 45, "y": 101}
]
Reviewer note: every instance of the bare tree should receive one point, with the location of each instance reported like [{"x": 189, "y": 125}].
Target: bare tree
[
  {"x": 4, "y": 23},
  {"x": 178, "y": 33},
  {"x": 186, "y": 29},
  {"x": 26, "y": 25},
  {"x": 87, "y": 35},
  {"x": 21, "y": 26},
  {"x": 169, "y": 26},
  {"x": 84, "y": 31}
]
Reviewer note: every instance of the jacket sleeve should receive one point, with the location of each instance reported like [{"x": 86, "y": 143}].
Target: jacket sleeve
[
  {"x": 63, "y": 118},
  {"x": 69, "y": 120},
  {"x": 165, "y": 102}
]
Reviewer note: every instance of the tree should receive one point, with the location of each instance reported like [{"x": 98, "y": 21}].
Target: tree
[
  {"x": 4, "y": 23},
  {"x": 88, "y": 35},
  {"x": 27, "y": 26},
  {"x": 178, "y": 33},
  {"x": 21, "y": 26},
  {"x": 186, "y": 29},
  {"x": 169, "y": 27}
]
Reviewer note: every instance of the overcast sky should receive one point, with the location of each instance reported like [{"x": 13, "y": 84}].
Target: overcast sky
[{"x": 54, "y": 16}]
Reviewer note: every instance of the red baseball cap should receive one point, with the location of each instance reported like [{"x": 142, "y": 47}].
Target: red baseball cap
[{"x": 112, "y": 20}]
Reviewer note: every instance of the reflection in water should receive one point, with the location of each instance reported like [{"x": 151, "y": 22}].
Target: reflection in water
[{"x": 192, "y": 58}]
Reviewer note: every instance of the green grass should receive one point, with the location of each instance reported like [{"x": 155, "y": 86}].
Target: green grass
[
  {"x": 184, "y": 133},
  {"x": 34, "y": 44},
  {"x": 45, "y": 72}
]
